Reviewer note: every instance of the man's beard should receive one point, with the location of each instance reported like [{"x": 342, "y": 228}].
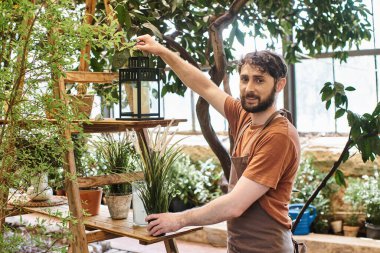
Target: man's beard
[{"x": 262, "y": 105}]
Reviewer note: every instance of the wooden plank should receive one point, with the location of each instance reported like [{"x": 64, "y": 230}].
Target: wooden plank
[
  {"x": 109, "y": 179},
  {"x": 110, "y": 125},
  {"x": 171, "y": 246},
  {"x": 88, "y": 19},
  {"x": 90, "y": 77},
  {"x": 33, "y": 219},
  {"x": 78, "y": 242},
  {"x": 124, "y": 227},
  {"x": 98, "y": 235}
]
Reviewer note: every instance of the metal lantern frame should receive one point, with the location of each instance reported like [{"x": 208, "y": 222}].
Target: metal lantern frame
[{"x": 138, "y": 70}]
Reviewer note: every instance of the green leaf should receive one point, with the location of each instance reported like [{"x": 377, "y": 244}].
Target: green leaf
[
  {"x": 328, "y": 103},
  {"x": 174, "y": 6},
  {"x": 350, "y": 88},
  {"x": 339, "y": 87},
  {"x": 376, "y": 112},
  {"x": 154, "y": 29},
  {"x": 346, "y": 155},
  {"x": 339, "y": 113},
  {"x": 128, "y": 22},
  {"x": 327, "y": 94},
  {"x": 240, "y": 36},
  {"x": 339, "y": 178},
  {"x": 121, "y": 14}
]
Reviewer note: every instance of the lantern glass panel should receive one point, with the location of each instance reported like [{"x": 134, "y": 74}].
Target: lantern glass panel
[
  {"x": 128, "y": 101},
  {"x": 145, "y": 97},
  {"x": 150, "y": 101}
]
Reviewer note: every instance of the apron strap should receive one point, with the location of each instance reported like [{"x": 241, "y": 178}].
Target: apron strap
[
  {"x": 254, "y": 137},
  {"x": 267, "y": 122},
  {"x": 240, "y": 135}
]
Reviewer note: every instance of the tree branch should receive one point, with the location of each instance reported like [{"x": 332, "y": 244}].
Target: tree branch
[
  {"x": 323, "y": 183},
  {"x": 217, "y": 73}
]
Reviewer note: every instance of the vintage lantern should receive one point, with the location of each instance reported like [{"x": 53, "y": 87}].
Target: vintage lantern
[{"x": 139, "y": 90}]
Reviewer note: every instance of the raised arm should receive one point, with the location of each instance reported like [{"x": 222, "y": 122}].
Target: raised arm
[{"x": 189, "y": 75}]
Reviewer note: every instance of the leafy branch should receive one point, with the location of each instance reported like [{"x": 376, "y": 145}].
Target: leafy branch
[{"x": 363, "y": 135}]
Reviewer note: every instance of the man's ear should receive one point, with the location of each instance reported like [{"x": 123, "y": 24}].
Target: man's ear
[{"x": 280, "y": 84}]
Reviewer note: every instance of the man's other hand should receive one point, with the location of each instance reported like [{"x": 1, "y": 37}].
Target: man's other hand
[
  {"x": 163, "y": 223},
  {"x": 148, "y": 44}
]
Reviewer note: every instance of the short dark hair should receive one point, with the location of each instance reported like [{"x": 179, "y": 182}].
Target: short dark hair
[{"x": 267, "y": 62}]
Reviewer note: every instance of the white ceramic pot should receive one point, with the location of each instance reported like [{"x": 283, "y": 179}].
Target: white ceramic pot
[
  {"x": 336, "y": 226},
  {"x": 39, "y": 189},
  {"x": 139, "y": 213}
]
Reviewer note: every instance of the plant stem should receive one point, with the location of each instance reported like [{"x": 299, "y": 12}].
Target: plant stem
[{"x": 324, "y": 181}]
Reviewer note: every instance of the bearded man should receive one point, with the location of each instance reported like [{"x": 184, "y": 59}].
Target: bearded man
[{"x": 265, "y": 157}]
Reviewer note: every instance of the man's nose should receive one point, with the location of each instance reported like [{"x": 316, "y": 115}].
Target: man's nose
[{"x": 250, "y": 87}]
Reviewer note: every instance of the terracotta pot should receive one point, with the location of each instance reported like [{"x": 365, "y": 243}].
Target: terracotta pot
[
  {"x": 91, "y": 200},
  {"x": 60, "y": 192},
  {"x": 79, "y": 104},
  {"x": 351, "y": 231},
  {"x": 82, "y": 104},
  {"x": 119, "y": 206}
]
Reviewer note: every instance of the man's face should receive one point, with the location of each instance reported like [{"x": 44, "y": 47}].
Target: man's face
[{"x": 257, "y": 89}]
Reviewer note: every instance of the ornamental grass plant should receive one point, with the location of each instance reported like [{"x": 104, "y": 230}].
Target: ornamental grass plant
[
  {"x": 157, "y": 158},
  {"x": 118, "y": 156}
]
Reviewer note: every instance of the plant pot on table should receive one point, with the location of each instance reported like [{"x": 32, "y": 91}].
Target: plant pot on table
[
  {"x": 373, "y": 231},
  {"x": 91, "y": 199},
  {"x": 119, "y": 205},
  {"x": 336, "y": 226},
  {"x": 350, "y": 231}
]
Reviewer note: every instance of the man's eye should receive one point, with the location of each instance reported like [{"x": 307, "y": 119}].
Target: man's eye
[
  {"x": 244, "y": 79},
  {"x": 258, "y": 80}
]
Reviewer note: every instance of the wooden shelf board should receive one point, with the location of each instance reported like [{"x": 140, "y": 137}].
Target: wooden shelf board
[
  {"x": 124, "y": 227},
  {"x": 113, "y": 125},
  {"x": 109, "y": 179}
]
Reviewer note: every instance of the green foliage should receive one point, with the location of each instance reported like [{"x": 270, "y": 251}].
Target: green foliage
[
  {"x": 197, "y": 183},
  {"x": 373, "y": 212},
  {"x": 370, "y": 191},
  {"x": 364, "y": 196},
  {"x": 308, "y": 179},
  {"x": 11, "y": 244},
  {"x": 316, "y": 26},
  {"x": 37, "y": 151},
  {"x": 354, "y": 196},
  {"x": 156, "y": 161},
  {"x": 352, "y": 220},
  {"x": 364, "y": 128},
  {"x": 118, "y": 156},
  {"x": 86, "y": 162}
]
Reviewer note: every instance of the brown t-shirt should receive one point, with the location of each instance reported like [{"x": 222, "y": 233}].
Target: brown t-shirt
[{"x": 273, "y": 159}]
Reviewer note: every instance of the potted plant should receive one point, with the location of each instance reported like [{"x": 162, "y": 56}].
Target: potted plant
[
  {"x": 118, "y": 155},
  {"x": 39, "y": 159},
  {"x": 351, "y": 225},
  {"x": 353, "y": 196},
  {"x": 373, "y": 219},
  {"x": 86, "y": 165},
  {"x": 195, "y": 184},
  {"x": 336, "y": 226},
  {"x": 156, "y": 160}
]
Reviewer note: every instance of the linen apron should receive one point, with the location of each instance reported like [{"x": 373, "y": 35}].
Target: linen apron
[{"x": 254, "y": 231}]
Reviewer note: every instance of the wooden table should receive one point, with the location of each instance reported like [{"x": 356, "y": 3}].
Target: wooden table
[
  {"x": 115, "y": 228},
  {"x": 108, "y": 227}
]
